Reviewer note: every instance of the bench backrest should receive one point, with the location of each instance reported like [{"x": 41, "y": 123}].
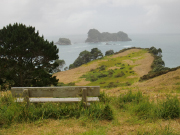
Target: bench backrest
[{"x": 68, "y": 91}]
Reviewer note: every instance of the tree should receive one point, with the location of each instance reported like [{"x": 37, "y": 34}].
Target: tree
[
  {"x": 60, "y": 66},
  {"x": 109, "y": 52},
  {"x": 86, "y": 56},
  {"x": 96, "y": 53},
  {"x": 26, "y": 58}
]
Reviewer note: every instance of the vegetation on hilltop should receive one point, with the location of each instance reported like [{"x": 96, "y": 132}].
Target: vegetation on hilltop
[
  {"x": 86, "y": 56},
  {"x": 109, "y": 52},
  {"x": 158, "y": 65}
]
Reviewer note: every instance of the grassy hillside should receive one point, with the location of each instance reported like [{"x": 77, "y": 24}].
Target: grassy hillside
[{"x": 148, "y": 107}]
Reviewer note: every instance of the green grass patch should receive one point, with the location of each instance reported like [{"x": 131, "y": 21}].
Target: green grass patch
[
  {"x": 108, "y": 77},
  {"x": 140, "y": 106},
  {"x": 177, "y": 90},
  {"x": 11, "y": 111}
]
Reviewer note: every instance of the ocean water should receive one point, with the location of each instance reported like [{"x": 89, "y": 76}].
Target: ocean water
[{"x": 169, "y": 43}]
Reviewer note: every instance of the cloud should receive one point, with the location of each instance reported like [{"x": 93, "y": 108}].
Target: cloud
[{"x": 70, "y": 17}]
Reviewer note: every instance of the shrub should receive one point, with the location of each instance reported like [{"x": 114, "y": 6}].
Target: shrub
[
  {"x": 144, "y": 109},
  {"x": 107, "y": 113},
  {"x": 109, "y": 52},
  {"x": 93, "y": 78},
  {"x": 169, "y": 108},
  {"x": 130, "y": 97},
  {"x": 120, "y": 74},
  {"x": 101, "y": 68},
  {"x": 101, "y": 75},
  {"x": 103, "y": 97},
  {"x": 110, "y": 72},
  {"x": 111, "y": 85}
]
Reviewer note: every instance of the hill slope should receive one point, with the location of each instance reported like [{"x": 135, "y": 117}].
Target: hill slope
[
  {"x": 120, "y": 73},
  {"x": 134, "y": 63},
  {"x": 141, "y": 63}
]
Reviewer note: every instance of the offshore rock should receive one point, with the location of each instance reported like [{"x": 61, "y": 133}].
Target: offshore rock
[
  {"x": 63, "y": 41},
  {"x": 95, "y": 36}
]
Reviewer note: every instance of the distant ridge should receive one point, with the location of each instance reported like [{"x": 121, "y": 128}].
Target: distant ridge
[{"x": 95, "y": 36}]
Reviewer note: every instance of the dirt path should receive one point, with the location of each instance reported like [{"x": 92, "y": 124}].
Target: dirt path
[{"x": 144, "y": 65}]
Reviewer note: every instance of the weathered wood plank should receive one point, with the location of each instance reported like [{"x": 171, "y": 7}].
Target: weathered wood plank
[
  {"x": 69, "y": 91},
  {"x": 60, "y": 100}
]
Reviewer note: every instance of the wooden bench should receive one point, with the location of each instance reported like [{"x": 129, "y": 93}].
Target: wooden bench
[{"x": 56, "y": 94}]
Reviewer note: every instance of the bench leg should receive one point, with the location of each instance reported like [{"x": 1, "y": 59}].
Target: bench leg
[
  {"x": 84, "y": 96},
  {"x": 26, "y": 96}
]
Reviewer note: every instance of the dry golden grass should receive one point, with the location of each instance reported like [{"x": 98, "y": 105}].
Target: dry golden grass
[{"x": 156, "y": 88}]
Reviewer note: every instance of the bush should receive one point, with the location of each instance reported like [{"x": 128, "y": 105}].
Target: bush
[
  {"x": 93, "y": 78},
  {"x": 120, "y": 74},
  {"x": 107, "y": 114},
  {"x": 110, "y": 72},
  {"x": 130, "y": 97},
  {"x": 111, "y": 85},
  {"x": 144, "y": 110},
  {"x": 103, "y": 97},
  {"x": 169, "y": 108},
  {"x": 102, "y": 75},
  {"x": 109, "y": 52},
  {"x": 101, "y": 68}
]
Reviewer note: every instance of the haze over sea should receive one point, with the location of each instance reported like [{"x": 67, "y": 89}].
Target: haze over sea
[{"x": 169, "y": 43}]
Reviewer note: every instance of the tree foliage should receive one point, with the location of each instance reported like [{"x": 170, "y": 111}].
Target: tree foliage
[
  {"x": 26, "y": 58},
  {"x": 86, "y": 56},
  {"x": 96, "y": 53},
  {"x": 109, "y": 52},
  {"x": 59, "y": 68}
]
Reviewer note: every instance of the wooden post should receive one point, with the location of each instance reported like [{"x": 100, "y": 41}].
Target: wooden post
[
  {"x": 26, "y": 96},
  {"x": 84, "y": 96}
]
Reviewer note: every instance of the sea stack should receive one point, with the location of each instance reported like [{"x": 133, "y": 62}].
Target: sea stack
[
  {"x": 63, "y": 41},
  {"x": 95, "y": 36}
]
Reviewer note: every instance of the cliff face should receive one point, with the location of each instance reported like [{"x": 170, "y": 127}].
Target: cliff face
[
  {"x": 64, "y": 41},
  {"x": 95, "y": 36}
]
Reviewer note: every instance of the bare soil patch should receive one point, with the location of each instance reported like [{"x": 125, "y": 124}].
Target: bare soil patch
[
  {"x": 125, "y": 53},
  {"x": 144, "y": 65}
]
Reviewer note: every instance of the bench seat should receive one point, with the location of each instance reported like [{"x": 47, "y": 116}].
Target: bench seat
[
  {"x": 56, "y": 94},
  {"x": 60, "y": 100}
]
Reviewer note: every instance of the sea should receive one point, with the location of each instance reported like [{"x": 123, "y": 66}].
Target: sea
[{"x": 169, "y": 43}]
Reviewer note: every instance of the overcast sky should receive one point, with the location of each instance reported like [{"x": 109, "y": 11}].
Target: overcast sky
[{"x": 70, "y": 17}]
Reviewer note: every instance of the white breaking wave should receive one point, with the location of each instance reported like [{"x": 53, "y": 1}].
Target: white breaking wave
[{"x": 126, "y": 46}]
